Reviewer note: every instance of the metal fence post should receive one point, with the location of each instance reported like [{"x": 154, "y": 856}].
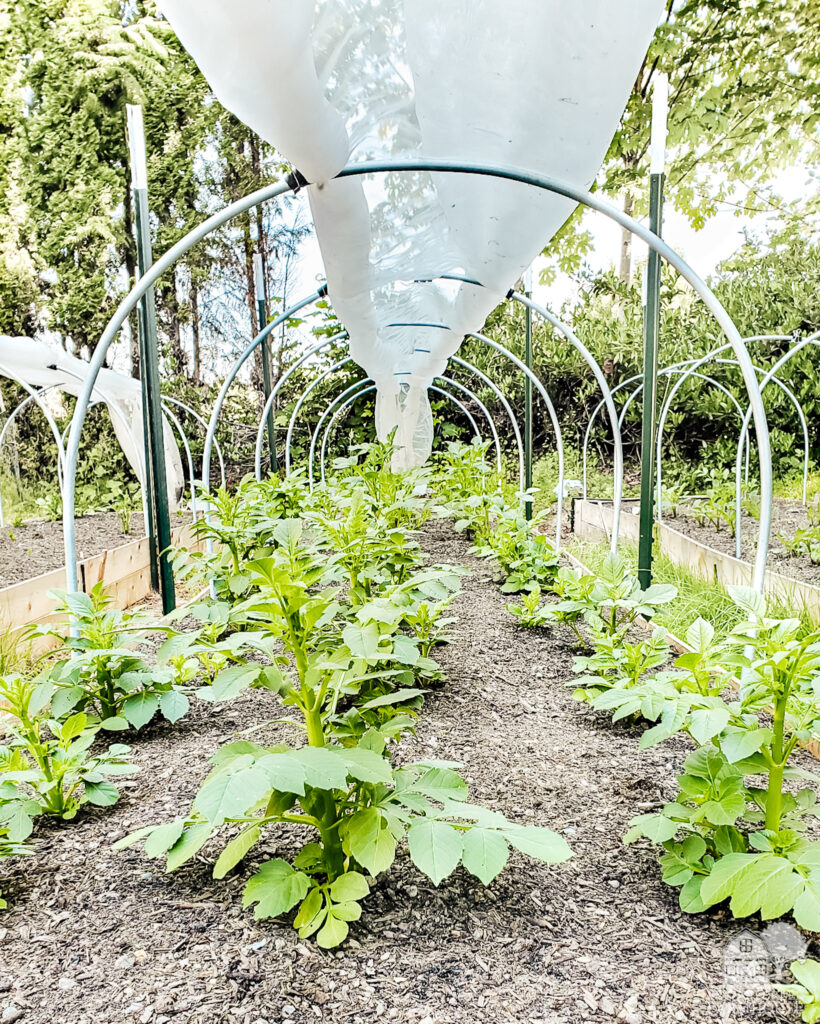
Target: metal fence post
[
  {"x": 651, "y": 332},
  {"x": 528, "y": 394},
  {"x": 159, "y": 530}
]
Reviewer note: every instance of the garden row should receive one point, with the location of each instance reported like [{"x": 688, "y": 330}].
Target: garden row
[
  {"x": 746, "y": 698},
  {"x": 325, "y": 600}
]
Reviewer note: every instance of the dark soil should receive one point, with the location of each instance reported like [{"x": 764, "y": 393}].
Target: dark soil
[
  {"x": 787, "y": 516},
  {"x": 37, "y": 547},
  {"x": 94, "y": 936}
]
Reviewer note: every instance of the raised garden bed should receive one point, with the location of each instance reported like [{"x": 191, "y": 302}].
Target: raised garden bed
[{"x": 593, "y": 520}]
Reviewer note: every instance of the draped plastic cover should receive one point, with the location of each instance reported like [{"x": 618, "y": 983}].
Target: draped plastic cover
[
  {"x": 42, "y": 366},
  {"x": 532, "y": 84}
]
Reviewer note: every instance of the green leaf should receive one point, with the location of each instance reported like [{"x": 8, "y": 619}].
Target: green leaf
[
  {"x": 396, "y": 697},
  {"x": 163, "y": 837},
  {"x": 173, "y": 704},
  {"x": 367, "y": 838},
  {"x": 749, "y": 600},
  {"x": 324, "y": 767},
  {"x": 658, "y": 593},
  {"x": 540, "y": 843},
  {"x": 236, "y": 850},
  {"x": 285, "y": 773},
  {"x": 699, "y": 635},
  {"x": 435, "y": 848},
  {"x": 333, "y": 932},
  {"x": 72, "y": 727},
  {"x": 189, "y": 843},
  {"x": 363, "y": 641},
  {"x": 140, "y": 709},
  {"x": 485, "y": 853},
  {"x": 657, "y": 828},
  {"x": 311, "y": 913},
  {"x": 807, "y": 972},
  {"x": 770, "y": 885},
  {"x": 725, "y": 876},
  {"x": 708, "y": 722},
  {"x": 690, "y": 899},
  {"x": 738, "y": 744},
  {"x": 101, "y": 794},
  {"x": 441, "y": 784},
  {"x": 807, "y": 905},
  {"x": 348, "y": 911},
  {"x": 231, "y": 794},
  {"x": 350, "y": 886},
  {"x": 180, "y": 643},
  {"x": 19, "y": 822},
  {"x": 229, "y": 683},
  {"x": 368, "y": 766},
  {"x": 276, "y": 888},
  {"x": 116, "y": 723},
  {"x": 65, "y": 698}
]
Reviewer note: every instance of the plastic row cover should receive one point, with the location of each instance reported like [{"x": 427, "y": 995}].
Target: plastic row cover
[
  {"x": 42, "y": 366},
  {"x": 532, "y": 84}
]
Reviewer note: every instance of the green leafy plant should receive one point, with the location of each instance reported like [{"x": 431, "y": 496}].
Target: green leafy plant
[
  {"x": 338, "y": 671},
  {"x": 806, "y": 989},
  {"x": 724, "y": 837},
  {"x": 96, "y": 672},
  {"x": 48, "y": 761}
]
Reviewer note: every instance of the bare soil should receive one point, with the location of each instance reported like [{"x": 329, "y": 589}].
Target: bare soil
[
  {"x": 37, "y": 547},
  {"x": 93, "y": 936},
  {"x": 787, "y": 516}
]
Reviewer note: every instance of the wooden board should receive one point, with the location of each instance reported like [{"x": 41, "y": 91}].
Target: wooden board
[
  {"x": 594, "y": 519},
  {"x": 123, "y": 570}
]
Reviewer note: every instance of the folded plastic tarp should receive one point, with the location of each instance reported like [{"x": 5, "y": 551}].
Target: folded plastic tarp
[
  {"x": 538, "y": 85},
  {"x": 43, "y": 366}
]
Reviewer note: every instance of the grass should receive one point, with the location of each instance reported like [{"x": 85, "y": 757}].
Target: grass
[
  {"x": 696, "y": 598},
  {"x": 791, "y": 487}
]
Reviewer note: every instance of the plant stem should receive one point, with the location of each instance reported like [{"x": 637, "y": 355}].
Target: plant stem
[{"x": 774, "y": 794}]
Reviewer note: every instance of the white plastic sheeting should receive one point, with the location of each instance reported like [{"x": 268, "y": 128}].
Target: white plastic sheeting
[
  {"x": 41, "y": 366},
  {"x": 533, "y": 84}
]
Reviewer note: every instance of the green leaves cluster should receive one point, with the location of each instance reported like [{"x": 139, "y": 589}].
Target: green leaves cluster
[{"x": 345, "y": 616}]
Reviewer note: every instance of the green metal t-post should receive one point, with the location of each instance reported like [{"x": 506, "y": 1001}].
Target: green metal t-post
[
  {"x": 651, "y": 331},
  {"x": 155, "y": 472},
  {"x": 528, "y": 395},
  {"x": 267, "y": 377}
]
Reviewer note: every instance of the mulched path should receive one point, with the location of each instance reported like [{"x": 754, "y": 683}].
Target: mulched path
[
  {"x": 787, "y": 516},
  {"x": 93, "y": 936}
]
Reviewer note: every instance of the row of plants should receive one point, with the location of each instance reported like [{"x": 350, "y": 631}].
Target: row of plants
[
  {"x": 325, "y": 600},
  {"x": 747, "y": 696},
  {"x": 347, "y": 613}
]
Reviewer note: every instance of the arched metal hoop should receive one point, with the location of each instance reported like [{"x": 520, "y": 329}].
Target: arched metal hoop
[
  {"x": 556, "y": 426},
  {"x": 553, "y": 185},
  {"x": 366, "y": 387},
  {"x": 349, "y": 359},
  {"x": 34, "y": 395},
  {"x": 617, "y": 442},
  {"x": 210, "y": 433},
  {"x": 456, "y": 359}
]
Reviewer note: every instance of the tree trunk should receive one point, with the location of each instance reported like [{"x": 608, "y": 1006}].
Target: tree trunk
[
  {"x": 247, "y": 241},
  {"x": 197, "y": 360},
  {"x": 625, "y": 270},
  {"x": 170, "y": 302}
]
